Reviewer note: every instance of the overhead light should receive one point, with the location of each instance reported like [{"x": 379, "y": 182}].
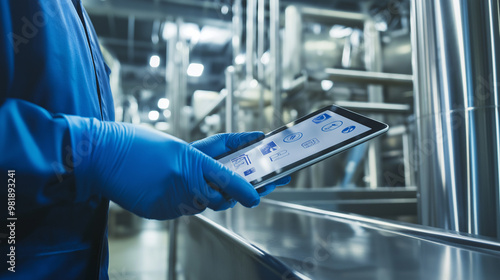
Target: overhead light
[
  {"x": 254, "y": 83},
  {"x": 215, "y": 35},
  {"x": 265, "y": 58},
  {"x": 167, "y": 113},
  {"x": 224, "y": 9},
  {"x": 163, "y": 103},
  {"x": 169, "y": 30},
  {"x": 381, "y": 26},
  {"x": 154, "y": 115},
  {"x": 195, "y": 69},
  {"x": 316, "y": 29},
  {"x": 339, "y": 31},
  {"x": 239, "y": 59},
  {"x": 326, "y": 85},
  {"x": 190, "y": 31},
  {"x": 187, "y": 31},
  {"x": 154, "y": 61}
]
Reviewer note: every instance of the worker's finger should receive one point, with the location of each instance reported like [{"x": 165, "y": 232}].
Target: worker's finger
[
  {"x": 217, "y": 199},
  {"x": 236, "y": 140},
  {"x": 230, "y": 183},
  {"x": 219, "y": 144},
  {"x": 212, "y": 146}
]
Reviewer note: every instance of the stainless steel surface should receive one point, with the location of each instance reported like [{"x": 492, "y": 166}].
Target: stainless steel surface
[
  {"x": 367, "y": 77},
  {"x": 375, "y": 107},
  {"x": 275, "y": 52},
  {"x": 352, "y": 168},
  {"x": 373, "y": 58},
  {"x": 261, "y": 43},
  {"x": 178, "y": 59},
  {"x": 397, "y": 54},
  {"x": 207, "y": 250},
  {"x": 292, "y": 50},
  {"x": 328, "y": 245},
  {"x": 329, "y": 16},
  {"x": 399, "y": 203},
  {"x": 218, "y": 103},
  {"x": 457, "y": 112},
  {"x": 172, "y": 249},
  {"x": 237, "y": 28},
  {"x": 337, "y": 194},
  {"x": 172, "y": 78},
  {"x": 314, "y": 51},
  {"x": 250, "y": 38},
  {"x": 231, "y": 118},
  {"x": 409, "y": 174}
]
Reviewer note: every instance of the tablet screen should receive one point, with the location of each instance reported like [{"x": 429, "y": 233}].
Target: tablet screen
[{"x": 281, "y": 150}]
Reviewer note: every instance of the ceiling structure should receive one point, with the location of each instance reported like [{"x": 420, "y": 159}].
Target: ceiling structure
[{"x": 134, "y": 30}]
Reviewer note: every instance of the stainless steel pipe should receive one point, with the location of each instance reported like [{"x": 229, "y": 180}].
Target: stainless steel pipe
[
  {"x": 375, "y": 107},
  {"x": 368, "y": 77},
  {"x": 250, "y": 39},
  {"x": 457, "y": 112},
  {"x": 275, "y": 51},
  {"x": 231, "y": 116}
]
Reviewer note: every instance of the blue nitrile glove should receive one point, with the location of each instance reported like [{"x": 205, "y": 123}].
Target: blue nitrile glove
[
  {"x": 219, "y": 144},
  {"x": 149, "y": 173}
]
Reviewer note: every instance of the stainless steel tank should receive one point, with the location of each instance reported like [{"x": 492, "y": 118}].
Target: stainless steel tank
[{"x": 457, "y": 112}]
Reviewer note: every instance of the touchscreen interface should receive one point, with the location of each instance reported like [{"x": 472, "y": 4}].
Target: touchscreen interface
[{"x": 308, "y": 137}]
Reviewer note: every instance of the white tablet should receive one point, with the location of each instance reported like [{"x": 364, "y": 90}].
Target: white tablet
[{"x": 301, "y": 143}]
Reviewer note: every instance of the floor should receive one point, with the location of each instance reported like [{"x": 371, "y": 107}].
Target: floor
[{"x": 139, "y": 254}]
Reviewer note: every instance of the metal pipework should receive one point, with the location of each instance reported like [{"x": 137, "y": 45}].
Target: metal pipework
[
  {"x": 276, "y": 81},
  {"x": 293, "y": 56},
  {"x": 230, "y": 102},
  {"x": 368, "y": 77},
  {"x": 261, "y": 32},
  {"x": 176, "y": 76},
  {"x": 250, "y": 40},
  {"x": 373, "y": 58},
  {"x": 237, "y": 28},
  {"x": 375, "y": 107},
  {"x": 322, "y": 15},
  {"x": 457, "y": 114},
  {"x": 172, "y": 76}
]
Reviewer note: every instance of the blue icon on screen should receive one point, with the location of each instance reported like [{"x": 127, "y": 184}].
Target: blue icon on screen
[
  {"x": 332, "y": 126},
  {"x": 279, "y": 155},
  {"x": 293, "y": 137},
  {"x": 310, "y": 143},
  {"x": 321, "y": 118},
  {"x": 348, "y": 129},
  {"x": 269, "y": 148},
  {"x": 242, "y": 160},
  {"x": 249, "y": 171}
]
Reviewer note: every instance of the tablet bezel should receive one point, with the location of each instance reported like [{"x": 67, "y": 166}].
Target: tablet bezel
[{"x": 376, "y": 128}]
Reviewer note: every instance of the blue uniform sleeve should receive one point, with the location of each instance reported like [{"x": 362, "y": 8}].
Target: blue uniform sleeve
[
  {"x": 36, "y": 144},
  {"x": 32, "y": 141}
]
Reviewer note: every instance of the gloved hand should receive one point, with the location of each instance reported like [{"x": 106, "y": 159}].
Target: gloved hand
[
  {"x": 149, "y": 173},
  {"x": 219, "y": 144}
]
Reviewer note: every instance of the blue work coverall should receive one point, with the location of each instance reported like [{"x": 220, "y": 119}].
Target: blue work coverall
[{"x": 50, "y": 65}]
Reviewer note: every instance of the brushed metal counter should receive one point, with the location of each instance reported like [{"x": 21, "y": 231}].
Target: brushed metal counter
[{"x": 329, "y": 245}]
